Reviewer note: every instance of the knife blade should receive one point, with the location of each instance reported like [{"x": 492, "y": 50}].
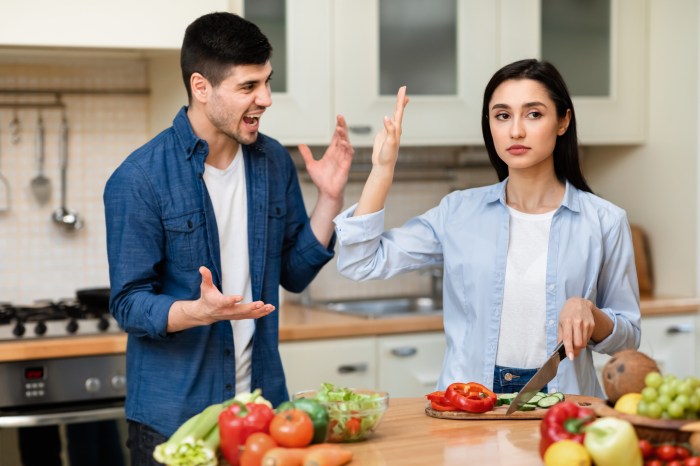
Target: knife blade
[{"x": 539, "y": 380}]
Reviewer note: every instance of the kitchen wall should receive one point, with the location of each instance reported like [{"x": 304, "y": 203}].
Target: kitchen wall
[{"x": 39, "y": 259}]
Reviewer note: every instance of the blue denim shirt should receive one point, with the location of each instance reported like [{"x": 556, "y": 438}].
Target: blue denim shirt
[
  {"x": 590, "y": 255},
  {"x": 160, "y": 229}
]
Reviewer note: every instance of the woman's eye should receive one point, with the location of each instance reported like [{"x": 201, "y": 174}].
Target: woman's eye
[
  {"x": 534, "y": 114},
  {"x": 501, "y": 116}
]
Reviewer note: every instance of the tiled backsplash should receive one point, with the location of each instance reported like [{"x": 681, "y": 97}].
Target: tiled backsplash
[{"x": 38, "y": 259}]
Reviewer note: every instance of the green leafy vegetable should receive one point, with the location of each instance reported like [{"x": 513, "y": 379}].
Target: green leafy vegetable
[{"x": 352, "y": 415}]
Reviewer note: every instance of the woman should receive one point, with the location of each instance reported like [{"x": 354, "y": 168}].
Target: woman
[{"x": 530, "y": 261}]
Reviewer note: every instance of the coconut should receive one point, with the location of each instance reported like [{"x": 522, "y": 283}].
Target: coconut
[{"x": 624, "y": 373}]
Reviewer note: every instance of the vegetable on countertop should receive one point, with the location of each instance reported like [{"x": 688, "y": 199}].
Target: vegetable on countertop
[
  {"x": 195, "y": 442},
  {"x": 327, "y": 457},
  {"x": 316, "y": 411},
  {"x": 237, "y": 422},
  {"x": 612, "y": 442},
  {"x": 322, "y": 454},
  {"x": 564, "y": 421},
  {"x": 471, "y": 397}
]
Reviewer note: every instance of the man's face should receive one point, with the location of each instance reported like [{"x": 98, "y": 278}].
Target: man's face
[{"x": 238, "y": 102}]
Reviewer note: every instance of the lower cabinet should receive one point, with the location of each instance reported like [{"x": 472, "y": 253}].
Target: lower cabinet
[
  {"x": 669, "y": 340},
  {"x": 349, "y": 362},
  {"x": 409, "y": 365},
  {"x": 406, "y": 365}
]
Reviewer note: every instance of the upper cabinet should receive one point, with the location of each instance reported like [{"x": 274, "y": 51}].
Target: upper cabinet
[
  {"x": 600, "y": 48},
  {"x": 350, "y": 57},
  {"x": 152, "y": 24}
]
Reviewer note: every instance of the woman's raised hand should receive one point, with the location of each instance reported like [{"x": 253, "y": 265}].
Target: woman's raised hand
[{"x": 386, "y": 143}]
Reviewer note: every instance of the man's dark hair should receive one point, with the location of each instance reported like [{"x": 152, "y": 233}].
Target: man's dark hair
[{"x": 215, "y": 42}]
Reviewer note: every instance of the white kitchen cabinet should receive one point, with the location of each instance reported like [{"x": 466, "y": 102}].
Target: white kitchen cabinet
[
  {"x": 350, "y": 57},
  {"x": 669, "y": 340},
  {"x": 409, "y": 365},
  {"x": 569, "y": 34},
  {"x": 374, "y": 55},
  {"x": 126, "y": 24},
  {"x": 348, "y": 362}
]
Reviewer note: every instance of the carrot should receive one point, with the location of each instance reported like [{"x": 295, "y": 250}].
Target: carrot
[
  {"x": 327, "y": 457},
  {"x": 280, "y": 456}
]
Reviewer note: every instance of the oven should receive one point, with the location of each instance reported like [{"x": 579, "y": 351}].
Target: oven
[{"x": 55, "y": 401}]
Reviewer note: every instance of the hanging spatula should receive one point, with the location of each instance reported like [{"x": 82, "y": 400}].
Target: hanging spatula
[{"x": 40, "y": 184}]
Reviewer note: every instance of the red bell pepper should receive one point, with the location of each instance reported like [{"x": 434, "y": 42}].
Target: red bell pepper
[
  {"x": 471, "y": 397},
  {"x": 438, "y": 401},
  {"x": 237, "y": 423},
  {"x": 564, "y": 421}
]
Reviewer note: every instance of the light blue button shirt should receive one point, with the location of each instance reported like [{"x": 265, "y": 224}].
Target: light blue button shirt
[{"x": 590, "y": 255}]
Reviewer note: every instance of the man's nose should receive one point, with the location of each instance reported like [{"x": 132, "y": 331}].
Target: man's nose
[{"x": 264, "y": 96}]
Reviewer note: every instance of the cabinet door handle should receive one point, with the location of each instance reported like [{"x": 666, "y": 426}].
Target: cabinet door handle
[
  {"x": 350, "y": 368},
  {"x": 681, "y": 328},
  {"x": 404, "y": 351},
  {"x": 360, "y": 129}
]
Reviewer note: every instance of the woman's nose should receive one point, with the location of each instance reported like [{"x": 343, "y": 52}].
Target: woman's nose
[{"x": 517, "y": 130}]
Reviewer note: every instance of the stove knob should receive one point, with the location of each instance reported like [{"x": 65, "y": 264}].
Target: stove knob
[
  {"x": 103, "y": 324},
  {"x": 19, "y": 329},
  {"x": 118, "y": 382},
  {"x": 40, "y": 328},
  {"x": 92, "y": 385},
  {"x": 72, "y": 326}
]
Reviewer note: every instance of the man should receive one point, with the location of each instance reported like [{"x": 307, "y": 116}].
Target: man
[{"x": 204, "y": 223}]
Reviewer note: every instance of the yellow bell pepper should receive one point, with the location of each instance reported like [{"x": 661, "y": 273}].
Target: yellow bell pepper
[{"x": 612, "y": 442}]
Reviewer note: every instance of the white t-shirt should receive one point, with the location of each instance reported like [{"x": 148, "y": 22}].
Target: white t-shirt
[
  {"x": 522, "y": 342},
  {"x": 227, "y": 190}
]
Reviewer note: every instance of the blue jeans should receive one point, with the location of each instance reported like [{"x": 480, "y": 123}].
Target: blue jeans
[
  {"x": 511, "y": 379},
  {"x": 142, "y": 441}
]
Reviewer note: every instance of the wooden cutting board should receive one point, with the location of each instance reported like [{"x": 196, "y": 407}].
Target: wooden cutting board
[{"x": 500, "y": 411}]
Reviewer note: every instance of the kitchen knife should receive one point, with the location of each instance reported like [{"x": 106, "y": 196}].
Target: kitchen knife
[{"x": 539, "y": 380}]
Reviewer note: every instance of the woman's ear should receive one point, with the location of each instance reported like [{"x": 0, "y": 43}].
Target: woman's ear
[
  {"x": 564, "y": 123},
  {"x": 200, "y": 87}
]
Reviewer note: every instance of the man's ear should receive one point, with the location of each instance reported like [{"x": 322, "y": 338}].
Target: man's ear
[{"x": 200, "y": 87}]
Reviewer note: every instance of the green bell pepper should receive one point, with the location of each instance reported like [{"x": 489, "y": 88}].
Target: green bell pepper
[
  {"x": 612, "y": 442},
  {"x": 316, "y": 411}
]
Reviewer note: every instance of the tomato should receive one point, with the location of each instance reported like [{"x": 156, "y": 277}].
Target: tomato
[
  {"x": 646, "y": 448},
  {"x": 692, "y": 461},
  {"x": 255, "y": 448},
  {"x": 653, "y": 462},
  {"x": 675, "y": 463},
  {"x": 292, "y": 428},
  {"x": 666, "y": 452},
  {"x": 352, "y": 426},
  {"x": 682, "y": 452}
]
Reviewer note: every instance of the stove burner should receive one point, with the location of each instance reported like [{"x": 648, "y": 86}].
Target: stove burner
[{"x": 54, "y": 318}]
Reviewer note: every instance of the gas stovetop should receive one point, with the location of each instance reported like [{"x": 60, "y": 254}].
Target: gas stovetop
[{"x": 45, "y": 319}]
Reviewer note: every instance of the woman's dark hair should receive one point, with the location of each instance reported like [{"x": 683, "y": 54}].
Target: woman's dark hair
[
  {"x": 215, "y": 42},
  {"x": 566, "y": 160}
]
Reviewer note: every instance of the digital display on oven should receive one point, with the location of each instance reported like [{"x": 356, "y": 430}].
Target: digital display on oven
[{"x": 34, "y": 373}]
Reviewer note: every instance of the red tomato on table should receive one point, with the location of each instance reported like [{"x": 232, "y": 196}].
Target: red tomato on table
[{"x": 292, "y": 428}]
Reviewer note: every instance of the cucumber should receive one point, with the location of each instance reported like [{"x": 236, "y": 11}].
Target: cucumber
[
  {"x": 506, "y": 398},
  {"x": 559, "y": 395},
  {"x": 548, "y": 401},
  {"x": 528, "y": 407}
]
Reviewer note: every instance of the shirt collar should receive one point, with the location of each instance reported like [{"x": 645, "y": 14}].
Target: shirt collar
[{"x": 571, "y": 198}]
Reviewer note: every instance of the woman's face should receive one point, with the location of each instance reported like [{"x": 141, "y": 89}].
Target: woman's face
[{"x": 524, "y": 125}]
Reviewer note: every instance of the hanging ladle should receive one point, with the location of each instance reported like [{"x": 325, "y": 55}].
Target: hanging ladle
[{"x": 67, "y": 218}]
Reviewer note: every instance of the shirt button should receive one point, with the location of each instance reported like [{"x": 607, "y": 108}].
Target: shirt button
[
  {"x": 551, "y": 322},
  {"x": 229, "y": 387},
  {"x": 227, "y": 352},
  {"x": 550, "y": 287}
]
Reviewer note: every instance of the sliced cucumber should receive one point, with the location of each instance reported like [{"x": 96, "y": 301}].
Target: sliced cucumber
[
  {"x": 506, "y": 398},
  {"x": 528, "y": 407},
  {"x": 559, "y": 395},
  {"x": 548, "y": 401}
]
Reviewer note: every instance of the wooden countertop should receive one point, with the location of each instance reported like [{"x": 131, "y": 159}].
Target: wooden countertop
[
  {"x": 297, "y": 323},
  {"x": 407, "y": 436}
]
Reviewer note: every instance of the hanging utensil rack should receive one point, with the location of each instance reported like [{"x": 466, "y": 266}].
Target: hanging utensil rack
[{"x": 57, "y": 94}]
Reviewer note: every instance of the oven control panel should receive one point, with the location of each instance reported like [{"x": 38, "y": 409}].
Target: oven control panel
[{"x": 62, "y": 380}]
